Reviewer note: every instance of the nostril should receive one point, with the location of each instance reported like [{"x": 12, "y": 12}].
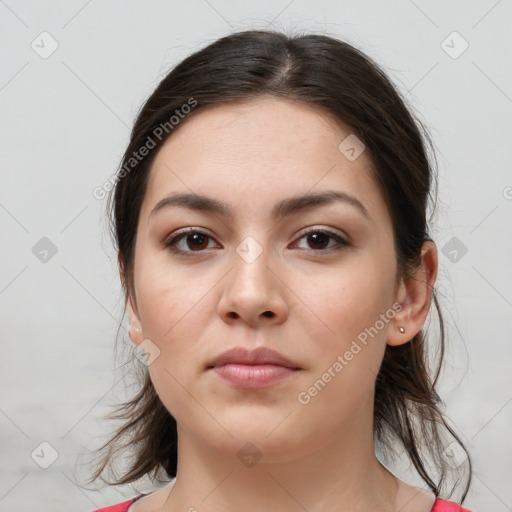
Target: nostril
[{"x": 269, "y": 313}]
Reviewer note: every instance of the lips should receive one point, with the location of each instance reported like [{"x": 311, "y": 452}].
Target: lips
[
  {"x": 258, "y": 356},
  {"x": 254, "y": 369}
]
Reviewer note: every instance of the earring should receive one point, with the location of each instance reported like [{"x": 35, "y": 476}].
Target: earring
[
  {"x": 401, "y": 329},
  {"x": 137, "y": 329}
]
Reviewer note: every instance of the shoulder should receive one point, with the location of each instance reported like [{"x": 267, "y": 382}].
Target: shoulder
[
  {"x": 447, "y": 506},
  {"x": 119, "y": 507},
  {"x": 152, "y": 500}
]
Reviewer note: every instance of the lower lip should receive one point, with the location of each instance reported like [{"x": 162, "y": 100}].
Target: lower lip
[{"x": 252, "y": 376}]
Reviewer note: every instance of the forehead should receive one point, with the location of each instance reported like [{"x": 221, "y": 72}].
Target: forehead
[{"x": 253, "y": 154}]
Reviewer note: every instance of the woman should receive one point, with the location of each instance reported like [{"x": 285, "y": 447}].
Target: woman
[{"x": 270, "y": 221}]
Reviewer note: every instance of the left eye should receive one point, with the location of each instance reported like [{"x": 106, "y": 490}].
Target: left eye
[{"x": 320, "y": 236}]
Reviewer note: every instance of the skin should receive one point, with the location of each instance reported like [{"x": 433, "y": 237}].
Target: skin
[{"x": 314, "y": 456}]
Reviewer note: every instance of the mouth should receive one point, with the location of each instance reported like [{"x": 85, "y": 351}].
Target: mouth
[{"x": 251, "y": 369}]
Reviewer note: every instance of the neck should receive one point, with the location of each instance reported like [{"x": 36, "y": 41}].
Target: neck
[{"x": 332, "y": 474}]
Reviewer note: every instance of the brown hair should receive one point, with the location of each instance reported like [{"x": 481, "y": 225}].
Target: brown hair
[{"x": 342, "y": 81}]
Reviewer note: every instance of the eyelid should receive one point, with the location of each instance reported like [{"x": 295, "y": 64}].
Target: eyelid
[
  {"x": 322, "y": 229},
  {"x": 186, "y": 230}
]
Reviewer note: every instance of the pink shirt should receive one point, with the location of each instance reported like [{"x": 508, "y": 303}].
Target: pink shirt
[{"x": 439, "y": 506}]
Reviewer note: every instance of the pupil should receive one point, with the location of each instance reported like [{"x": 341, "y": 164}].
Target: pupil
[
  {"x": 195, "y": 237},
  {"x": 315, "y": 237}
]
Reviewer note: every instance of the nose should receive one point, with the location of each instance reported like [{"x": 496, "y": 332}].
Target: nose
[{"x": 254, "y": 292}]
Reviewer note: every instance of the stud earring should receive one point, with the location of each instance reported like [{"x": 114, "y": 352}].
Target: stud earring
[
  {"x": 137, "y": 329},
  {"x": 401, "y": 329}
]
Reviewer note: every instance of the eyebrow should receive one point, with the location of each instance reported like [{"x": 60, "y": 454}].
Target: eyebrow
[{"x": 281, "y": 210}]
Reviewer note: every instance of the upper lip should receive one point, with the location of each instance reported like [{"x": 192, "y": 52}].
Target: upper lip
[{"x": 260, "y": 355}]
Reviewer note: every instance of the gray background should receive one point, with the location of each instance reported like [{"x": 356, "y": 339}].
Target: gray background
[{"x": 65, "y": 124}]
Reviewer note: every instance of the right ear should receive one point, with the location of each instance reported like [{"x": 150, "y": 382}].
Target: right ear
[{"x": 136, "y": 334}]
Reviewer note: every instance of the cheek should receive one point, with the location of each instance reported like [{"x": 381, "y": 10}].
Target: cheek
[
  {"x": 355, "y": 308},
  {"x": 171, "y": 296},
  {"x": 166, "y": 306},
  {"x": 349, "y": 353},
  {"x": 353, "y": 298},
  {"x": 174, "y": 319}
]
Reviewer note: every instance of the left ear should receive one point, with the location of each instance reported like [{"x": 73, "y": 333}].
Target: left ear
[{"x": 415, "y": 296}]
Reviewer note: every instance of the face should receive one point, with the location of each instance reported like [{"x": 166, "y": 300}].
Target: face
[{"x": 316, "y": 284}]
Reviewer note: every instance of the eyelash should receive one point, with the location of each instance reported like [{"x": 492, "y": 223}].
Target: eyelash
[{"x": 171, "y": 242}]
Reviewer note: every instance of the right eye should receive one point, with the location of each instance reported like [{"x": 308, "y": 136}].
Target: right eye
[{"x": 191, "y": 238}]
